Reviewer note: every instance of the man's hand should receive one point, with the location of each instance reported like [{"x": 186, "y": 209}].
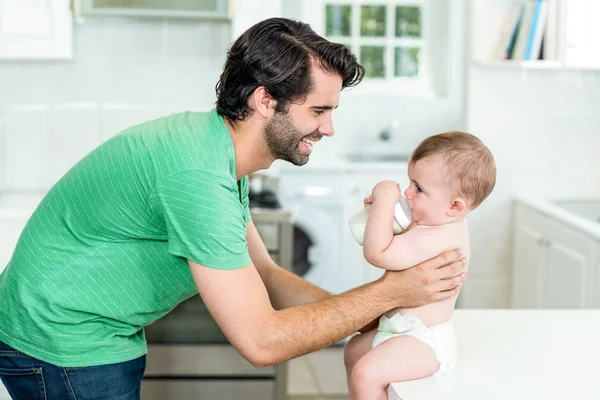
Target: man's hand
[{"x": 433, "y": 280}]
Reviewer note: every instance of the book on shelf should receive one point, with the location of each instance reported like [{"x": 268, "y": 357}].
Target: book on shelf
[{"x": 529, "y": 32}]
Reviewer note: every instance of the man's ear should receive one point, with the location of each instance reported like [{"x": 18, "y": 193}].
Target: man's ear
[
  {"x": 457, "y": 207},
  {"x": 262, "y": 102}
]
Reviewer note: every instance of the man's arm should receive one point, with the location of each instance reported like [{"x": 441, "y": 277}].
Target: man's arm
[
  {"x": 284, "y": 287},
  {"x": 239, "y": 302}
]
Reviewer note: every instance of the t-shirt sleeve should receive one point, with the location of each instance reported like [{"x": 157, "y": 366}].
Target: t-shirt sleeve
[{"x": 205, "y": 219}]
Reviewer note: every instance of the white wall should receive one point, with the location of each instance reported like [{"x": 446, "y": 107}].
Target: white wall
[
  {"x": 361, "y": 117},
  {"x": 124, "y": 72},
  {"x": 543, "y": 127}
]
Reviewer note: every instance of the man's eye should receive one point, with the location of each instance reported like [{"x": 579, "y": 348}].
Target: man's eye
[{"x": 319, "y": 112}]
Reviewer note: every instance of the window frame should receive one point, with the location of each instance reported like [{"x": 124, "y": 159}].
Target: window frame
[{"x": 421, "y": 86}]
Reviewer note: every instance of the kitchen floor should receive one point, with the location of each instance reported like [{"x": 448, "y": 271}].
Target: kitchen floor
[{"x": 318, "y": 376}]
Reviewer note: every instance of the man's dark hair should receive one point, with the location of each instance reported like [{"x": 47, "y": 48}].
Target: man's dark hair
[{"x": 277, "y": 53}]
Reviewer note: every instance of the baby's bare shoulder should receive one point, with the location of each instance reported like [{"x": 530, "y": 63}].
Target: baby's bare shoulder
[{"x": 449, "y": 227}]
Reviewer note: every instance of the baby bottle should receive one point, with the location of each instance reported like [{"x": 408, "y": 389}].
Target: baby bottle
[{"x": 402, "y": 218}]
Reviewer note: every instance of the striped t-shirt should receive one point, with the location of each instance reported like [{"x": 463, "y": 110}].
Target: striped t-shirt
[{"x": 105, "y": 253}]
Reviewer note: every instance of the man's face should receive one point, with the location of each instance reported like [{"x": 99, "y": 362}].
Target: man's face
[{"x": 290, "y": 136}]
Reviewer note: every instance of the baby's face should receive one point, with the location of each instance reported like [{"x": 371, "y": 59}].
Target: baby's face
[{"x": 429, "y": 195}]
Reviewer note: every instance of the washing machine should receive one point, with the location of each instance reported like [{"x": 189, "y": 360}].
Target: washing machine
[{"x": 315, "y": 197}]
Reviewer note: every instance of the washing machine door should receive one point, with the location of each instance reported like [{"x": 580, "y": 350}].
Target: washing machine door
[{"x": 317, "y": 255}]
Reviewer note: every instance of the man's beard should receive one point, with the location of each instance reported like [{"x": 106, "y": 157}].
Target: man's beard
[{"x": 283, "y": 138}]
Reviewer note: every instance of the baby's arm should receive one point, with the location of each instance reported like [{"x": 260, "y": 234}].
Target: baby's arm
[
  {"x": 418, "y": 244},
  {"x": 378, "y": 233}
]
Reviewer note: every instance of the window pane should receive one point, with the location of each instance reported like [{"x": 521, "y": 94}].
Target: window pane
[
  {"x": 372, "y": 58},
  {"x": 408, "y": 22},
  {"x": 372, "y": 20},
  {"x": 338, "y": 20},
  {"x": 406, "y": 61}
]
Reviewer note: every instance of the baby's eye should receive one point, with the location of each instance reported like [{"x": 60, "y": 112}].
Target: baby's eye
[{"x": 418, "y": 189}]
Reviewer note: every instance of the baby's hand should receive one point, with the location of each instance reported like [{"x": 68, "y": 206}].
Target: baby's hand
[
  {"x": 368, "y": 200},
  {"x": 386, "y": 189}
]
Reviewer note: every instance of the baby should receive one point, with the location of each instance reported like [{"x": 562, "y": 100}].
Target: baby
[{"x": 450, "y": 175}]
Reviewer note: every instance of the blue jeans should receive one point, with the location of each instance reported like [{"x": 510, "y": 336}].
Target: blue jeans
[{"x": 27, "y": 378}]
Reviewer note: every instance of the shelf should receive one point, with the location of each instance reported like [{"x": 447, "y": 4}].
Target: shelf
[
  {"x": 546, "y": 65},
  {"x": 535, "y": 65}
]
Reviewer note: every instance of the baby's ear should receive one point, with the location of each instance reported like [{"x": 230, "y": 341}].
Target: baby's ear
[{"x": 457, "y": 207}]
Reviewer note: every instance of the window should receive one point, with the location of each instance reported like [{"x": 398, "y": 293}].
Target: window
[{"x": 390, "y": 38}]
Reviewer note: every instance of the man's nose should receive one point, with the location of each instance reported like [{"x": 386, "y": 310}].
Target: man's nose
[{"x": 326, "y": 128}]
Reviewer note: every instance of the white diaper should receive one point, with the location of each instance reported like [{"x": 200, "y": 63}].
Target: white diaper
[{"x": 440, "y": 337}]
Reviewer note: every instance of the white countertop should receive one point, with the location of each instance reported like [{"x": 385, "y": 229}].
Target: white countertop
[
  {"x": 518, "y": 355},
  {"x": 549, "y": 207}
]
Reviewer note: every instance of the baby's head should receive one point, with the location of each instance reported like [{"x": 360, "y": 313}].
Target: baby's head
[{"x": 450, "y": 175}]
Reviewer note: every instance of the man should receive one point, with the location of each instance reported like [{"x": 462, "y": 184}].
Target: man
[{"x": 160, "y": 212}]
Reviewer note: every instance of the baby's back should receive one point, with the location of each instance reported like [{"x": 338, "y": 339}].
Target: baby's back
[{"x": 440, "y": 239}]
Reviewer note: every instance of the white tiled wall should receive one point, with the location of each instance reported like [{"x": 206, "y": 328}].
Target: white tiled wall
[
  {"x": 544, "y": 130},
  {"x": 124, "y": 71}
]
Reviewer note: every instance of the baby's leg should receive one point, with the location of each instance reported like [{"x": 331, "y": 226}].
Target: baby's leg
[
  {"x": 400, "y": 358},
  {"x": 357, "y": 347}
]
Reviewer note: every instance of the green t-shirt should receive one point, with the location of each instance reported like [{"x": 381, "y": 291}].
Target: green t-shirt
[{"x": 105, "y": 253}]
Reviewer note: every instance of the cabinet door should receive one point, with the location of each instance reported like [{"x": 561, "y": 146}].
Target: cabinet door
[
  {"x": 211, "y": 9},
  {"x": 581, "y": 30},
  {"x": 528, "y": 258},
  {"x": 36, "y": 29},
  {"x": 594, "y": 286},
  {"x": 568, "y": 268}
]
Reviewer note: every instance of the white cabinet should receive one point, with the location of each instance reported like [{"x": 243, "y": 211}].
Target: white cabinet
[
  {"x": 553, "y": 264},
  {"x": 581, "y": 33},
  {"x": 528, "y": 257},
  {"x": 568, "y": 268},
  {"x": 213, "y": 9},
  {"x": 594, "y": 297},
  {"x": 36, "y": 29}
]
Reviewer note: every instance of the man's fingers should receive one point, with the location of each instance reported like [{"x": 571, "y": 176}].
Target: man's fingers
[
  {"x": 449, "y": 257},
  {"x": 451, "y": 270},
  {"x": 451, "y": 284},
  {"x": 447, "y": 294},
  {"x": 440, "y": 261}
]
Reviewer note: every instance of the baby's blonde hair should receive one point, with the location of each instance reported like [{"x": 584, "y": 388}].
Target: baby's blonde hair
[{"x": 469, "y": 165}]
